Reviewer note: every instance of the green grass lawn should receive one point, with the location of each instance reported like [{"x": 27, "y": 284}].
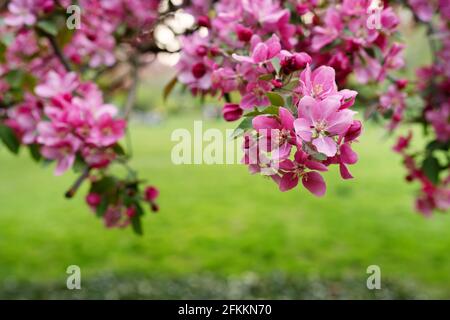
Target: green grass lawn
[{"x": 220, "y": 221}]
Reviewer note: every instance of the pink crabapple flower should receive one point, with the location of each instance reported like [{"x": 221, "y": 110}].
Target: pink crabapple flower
[
  {"x": 320, "y": 121},
  {"x": 440, "y": 120},
  {"x": 56, "y": 84},
  {"x": 278, "y": 131},
  {"x": 21, "y": 13},
  {"x": 261, "y": 51},
  {"x": 256, "y": 95},
  {"x": 294, "y": 170},
  {"x": 63, "y": 152}
]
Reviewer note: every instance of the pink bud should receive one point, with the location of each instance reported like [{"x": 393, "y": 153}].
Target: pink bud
[
  {"x": 232, "y": 112},
  {"x": 244, "y": 34},
  {"x": 201, "y": 51},
  {"x": 301, "y": 9},
  {"x": 203, "y": 21},
  {"x": 198, "y": 70},
  {"x": 354, "y": 131},
  {"x": 151, "y": 193},
  {"x": 295, "y": 62},
  {"x": 93, "y": 199},
  {"x": 401, "y": 83},
  {"x": 276, "y": 83},
  {"x": 131, "y": 211}
]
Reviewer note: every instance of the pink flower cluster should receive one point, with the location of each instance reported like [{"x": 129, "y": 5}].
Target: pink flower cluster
[
  {"x": 120, "y": 215},
  {"x": 337, "y": 35},
  {"x": 68, "y": 119},
  {"x": 265, "y": 49},
  {"x": 95, "y": 39},
  {"x": 299, "y": 143},
  {"x": 301, "y": 123},
  {"x": 434, "y": 195},
  {"x": 58, "y": 116}
]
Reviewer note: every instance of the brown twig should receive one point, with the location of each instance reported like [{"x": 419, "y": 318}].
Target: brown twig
[
  {"x": 73, "y": 190},
  {"x": 132, "y": 94},
  {"x": 58, "y": 52}
]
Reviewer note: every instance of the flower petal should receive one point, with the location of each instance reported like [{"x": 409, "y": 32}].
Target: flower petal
[
  {"x": 325, "y": 145},
  {"x": 288, "y": 181},
  {"x": 314, "y": 182}
]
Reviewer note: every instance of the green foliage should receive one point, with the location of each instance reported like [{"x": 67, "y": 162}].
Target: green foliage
[
  {"x": 10, "y": 139},
  {"x": 225, "y": 230},
  {"x": 275, "y": 99}
]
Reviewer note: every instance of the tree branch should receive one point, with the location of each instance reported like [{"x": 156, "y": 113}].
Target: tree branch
[
  {"x": 58, "y": 52},
  {"x": 73, "y": 190},
  {"x": 131, "y": 98}
]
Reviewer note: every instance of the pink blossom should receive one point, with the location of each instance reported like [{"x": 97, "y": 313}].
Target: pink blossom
[
  {"x": 423, "y": 9},
  {"x": 279, "y": 132},
  {"x": 106, "y": 131},
  {"x": 292, "y": 171},
  {"x": 256, "y": 95},
  {"x": 63, "y": 152},
  {"x": 21, "y": 13},
  {"x": 56, "y": 84},
  {"x": 440, "y": 120},
  {"x": 329, "y": 32},
  {"x": 261, "y": 51},
  {"x": 320, "y": 121}
]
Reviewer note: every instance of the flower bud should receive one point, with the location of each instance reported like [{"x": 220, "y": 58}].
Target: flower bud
[
  {"x": 151, "y": 193},
  {"x": 131, "y": 211},
  {"x": 198, "y": 70},
  {"x": 201, "y": 51},
  {"x": 203, "y": 21},
  {"x": 354, "y": 131},
  {"x": 244, "y": 34},
  {"x": 401, "y": 83},
  {"x": 232, "y": 112},
  {"x": 93, "y": 200}
]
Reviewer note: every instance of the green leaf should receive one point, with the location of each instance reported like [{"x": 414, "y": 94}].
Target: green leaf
[
  {"x": 48, "y": 26},
  {"x": 7, "y": 38},
  {"x": 35, "y": 152},
  {"x": 272, "y": 110},
  {"x": 137, "y": 225},
  {"x": 102, "y": 207},
  {"x": 139, "y": 211},
  {"x": 431, "y": 167},
  {"x": 292, "y": 85},
  {"x": 276, "y": 64},
  {"x": 2, "y": 52},
  {"x": 169, "y": 88},
  {"x": 15, "y": 78},
  {"x": 64, "y": 36},
  {"x": 319, "y": 156},
  {"x": 437, "y": 145},
  {"x": 267, "y": 77},
  {"x": 316, "y": 155},
  {"x": 244, "y": 126},
  {"x": 275, "y": 99},
  {"x": 103, "y": 185},
  {"x": 119, "y": 150},
  {"x": 10, "y": 139},
  {"x": 79, "y": 164}
]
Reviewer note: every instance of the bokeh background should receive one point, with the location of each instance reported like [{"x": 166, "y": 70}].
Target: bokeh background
[{"x": 222, "y": 233}]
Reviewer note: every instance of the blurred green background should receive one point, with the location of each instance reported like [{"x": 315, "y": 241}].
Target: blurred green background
[
  {"x": 221, "y": 232},
  {"x": 224, "y": 233}
]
